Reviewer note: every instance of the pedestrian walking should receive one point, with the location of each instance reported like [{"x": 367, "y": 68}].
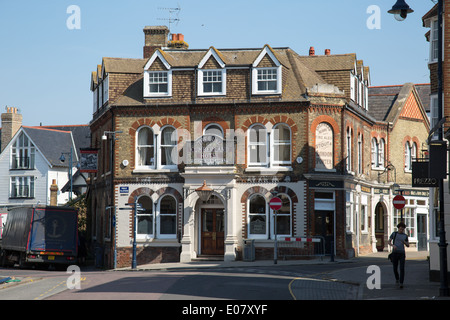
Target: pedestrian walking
[{"x": 398, "y": 240}]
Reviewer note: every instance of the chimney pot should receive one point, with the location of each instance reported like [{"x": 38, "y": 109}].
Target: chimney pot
[
  {"x": 327, "y": 52},
  {"x": 180, "y": 37},
  {"x": 174, "y": 36},
  {"x": 312, "y": 52}
]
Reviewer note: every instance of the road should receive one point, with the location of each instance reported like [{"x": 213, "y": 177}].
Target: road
[
  {"x": 341, "y": 281},
  {"x": 257, "y": 283}
]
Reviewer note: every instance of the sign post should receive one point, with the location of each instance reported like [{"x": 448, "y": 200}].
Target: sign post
[
  {"x": 275, "y": 204},
  {"x": 399, "y": 202}
]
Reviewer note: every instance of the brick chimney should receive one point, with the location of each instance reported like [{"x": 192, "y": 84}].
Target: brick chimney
[
  {"x": 11, "y": 123},
  {"x": 312, "y": 52},
  {"x": 156, "y": 37},
  {"x": 178, "y": 41},
  {"x": 54, "y": 193},
  {"x": 327, "y": 52}
]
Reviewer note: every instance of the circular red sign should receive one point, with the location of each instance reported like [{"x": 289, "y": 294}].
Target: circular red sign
[
  {"x": 275, "y": 203},
  {"x": 399, "y": 202}
]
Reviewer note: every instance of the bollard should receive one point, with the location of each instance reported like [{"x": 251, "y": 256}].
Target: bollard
[{"x": 332, "y": 252}]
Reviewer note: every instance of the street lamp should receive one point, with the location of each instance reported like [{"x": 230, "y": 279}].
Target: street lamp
[
  {"x": 204, "y": 192},
  {"x": 63, "y": 159},
  {"x": 402, "y": 9}
]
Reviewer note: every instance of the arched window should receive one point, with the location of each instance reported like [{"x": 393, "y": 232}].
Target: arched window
[
  {"x": 374, "y": 152},
  {"x": 324, "y": 147},
  {"x": 360, "y": 153},
  {"x": 145, "y": 148},
  {"x": 168, "y": 147},
  {"x": 408, "y": 156},
  {"x": 349, "y": 150},
  {"x": 381, "y": 153},
  {"x": 167, "y": 218},
  {"x": 257, "y": 145},
  {"x": 257, "y": 217},
  {"x": 284, "y": 216},
  {"x": 281, "y": 144},
  {"x": 214, "y": 129},
  {"x": 145, "y": 218}
]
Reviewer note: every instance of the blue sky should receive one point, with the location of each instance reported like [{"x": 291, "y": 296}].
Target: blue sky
[{"x": 45, "y": 67}]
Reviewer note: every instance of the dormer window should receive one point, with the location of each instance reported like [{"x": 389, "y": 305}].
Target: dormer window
[
  {"x": 211, "y": 82},
  {"x": 158, "y": 82},
  {"x": 266, "y": 73},
  {"x": 157, "y": 77},
  {"x": 267, "y": 80}
]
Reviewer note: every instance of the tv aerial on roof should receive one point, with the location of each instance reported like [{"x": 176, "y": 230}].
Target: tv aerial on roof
[{"x": 171, "y": 19}]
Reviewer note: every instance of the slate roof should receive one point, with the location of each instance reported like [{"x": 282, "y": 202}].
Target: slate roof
[
  {"x": 386, "y": 101},
  {"x": 52, "y": 141}
]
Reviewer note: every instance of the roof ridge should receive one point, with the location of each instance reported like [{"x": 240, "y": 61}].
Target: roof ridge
[{"x": 46, "y": 129}]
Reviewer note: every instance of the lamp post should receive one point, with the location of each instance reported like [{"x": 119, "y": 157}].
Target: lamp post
[
  {"x": 111, "y": 205},
  {"x": 401, "y": 9},
  {"x": 63, "y": 159}
]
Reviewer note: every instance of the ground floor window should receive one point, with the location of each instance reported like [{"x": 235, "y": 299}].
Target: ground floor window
[{"x": 258, "y": 222}]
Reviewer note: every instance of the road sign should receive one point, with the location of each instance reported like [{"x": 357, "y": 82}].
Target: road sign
[
  {"x": 275, "y": 203},
  {"x": 399, "y": 202}
]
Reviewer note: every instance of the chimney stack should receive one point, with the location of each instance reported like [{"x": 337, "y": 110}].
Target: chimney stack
[
  {"x": 312, "y": 52},
  {"x": 327, "y": 52},
  {"x": 54, "y": 193},
  {"x": 155, "y": 38},
  {"x": 178, "y": 41},
  {"x": 11, "y": 123}
]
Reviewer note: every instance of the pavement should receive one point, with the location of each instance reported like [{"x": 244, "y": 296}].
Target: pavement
[{"x": 368, "y": 277}]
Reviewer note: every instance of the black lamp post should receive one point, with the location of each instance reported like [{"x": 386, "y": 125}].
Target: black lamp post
[{"x": 401, "y": 10}]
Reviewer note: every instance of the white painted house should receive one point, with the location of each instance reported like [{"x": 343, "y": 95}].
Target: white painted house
[{"x": 30, "y": 160}]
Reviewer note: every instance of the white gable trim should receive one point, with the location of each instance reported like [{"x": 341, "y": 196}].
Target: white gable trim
[
  {"x": 152, "y": 59},
  {"x": 13, "y": 140},
  {"x": 211, "y": 52},
  {"x": 265, "y": 51}
]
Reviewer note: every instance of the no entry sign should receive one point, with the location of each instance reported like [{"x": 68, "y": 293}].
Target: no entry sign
[
  {"x": 275, "y": 203},
  {"x": 399, "y": 202}
]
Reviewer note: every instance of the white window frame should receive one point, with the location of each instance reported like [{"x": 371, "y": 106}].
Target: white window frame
[
  {"x": 137, "y": 165},
  {"x": 24, "y": 181},
  {"x": 200, "y": 81},
  {"x": 360, "y": 154},
  {"x": 251, "y": 144},
  {"x": 148, "y": 93},
  {"x": 250, "y": 215},
  {"x": 349, "y": 212},
  {"x": 434, "y": 113},
  {"x": 255, "y": 81},
  {"x": 160, "y": 147},
  {"x": 353, "y": 80},
  {"x": 159, "y": 235},
  {"x": 280, "y": 143},
  {"x": 105, "y": 90},
  {"x": 364, "y": 214},
  {"x": 272, "y": 219},
  {"x": 18, "y": 150},
  {"x": 146, "y": 236},
  {"x": 434, "y": 36},
  {"x": 410, "y": 154},
  {"x": 349, "y": 162}
]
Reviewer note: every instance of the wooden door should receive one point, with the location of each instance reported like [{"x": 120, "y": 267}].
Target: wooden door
[{"x": 212, "y": 234}]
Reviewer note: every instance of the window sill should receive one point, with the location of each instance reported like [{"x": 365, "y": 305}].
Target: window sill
[
  {"x": 268, "y": 169},
  {"x": 143, "y": 170}
]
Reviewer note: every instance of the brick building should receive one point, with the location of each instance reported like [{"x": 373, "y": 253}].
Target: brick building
[
  {"x": 245, "y": 123},
  {"x": 430, "y": 20}
]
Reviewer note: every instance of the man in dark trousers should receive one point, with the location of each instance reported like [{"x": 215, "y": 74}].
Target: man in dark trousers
[{"x": 398, "y": 240}]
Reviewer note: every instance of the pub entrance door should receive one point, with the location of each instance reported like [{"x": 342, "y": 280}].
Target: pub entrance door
[{"x": 212, "y": 231}]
